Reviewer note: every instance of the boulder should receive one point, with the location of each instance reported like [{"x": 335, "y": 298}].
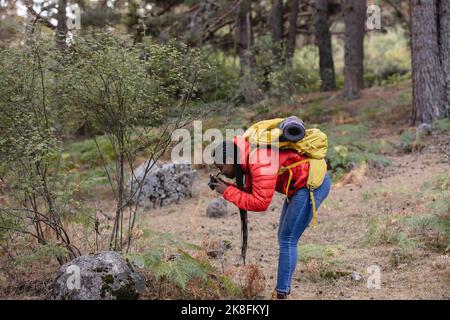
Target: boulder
[
  {"x": 217, "y": 208},
  {"x": 164, "y": 183},
  {"x": 424, "y": 129},
  {"x": 102, "y": 276}
]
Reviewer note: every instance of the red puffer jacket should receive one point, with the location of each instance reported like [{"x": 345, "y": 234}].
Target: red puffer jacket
[{"x": 261, "y": 176}]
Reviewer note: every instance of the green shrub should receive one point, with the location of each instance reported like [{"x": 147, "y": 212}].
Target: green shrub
[
  {"x": 408, "y": 139},
  {"x": 442, "y": 124},
  {"x": 171, "y": 263},
  {"x": 308, "y": 252},
  {"x": 387, "y": 58},
  {"x": 321, "y": 262},
  {"x": 86, "y": 153},
  {"x": 350, "y": 145}
]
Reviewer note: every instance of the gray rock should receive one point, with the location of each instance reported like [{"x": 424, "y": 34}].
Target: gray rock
[
  {"x": 164, "y": 183},
  {"x": 424, "y": 129},
  {"x": 356, "y": 276},
  {"x": 102, "y": 276},
  {"x": 217, "y": 208}
]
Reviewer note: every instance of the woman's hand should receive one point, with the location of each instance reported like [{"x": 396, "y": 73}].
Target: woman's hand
[{"x": 220, "y": 186}]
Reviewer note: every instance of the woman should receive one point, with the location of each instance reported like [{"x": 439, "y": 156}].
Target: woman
[{"x": 261, "y": 182}]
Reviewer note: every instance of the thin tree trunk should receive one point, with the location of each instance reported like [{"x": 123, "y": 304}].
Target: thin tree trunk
[
  {"x": 444, "y": 47},
  {"x": 61, "y": 28},
  {"x": 323, "y": 41},
  {"x": 244, "y": 36},
  {"x": 244, "y": 42},
  {"x": 355, "y": 17},
  {"x": 428, "y": 77},
  {"x": 277, "y": 28},
  {"x": 292, "y": 32}
]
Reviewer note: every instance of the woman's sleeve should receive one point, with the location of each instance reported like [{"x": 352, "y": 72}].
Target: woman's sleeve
[{"x": 260, "y": 194}]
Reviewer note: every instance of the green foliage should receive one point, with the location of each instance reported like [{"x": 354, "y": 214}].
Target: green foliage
[
  {"x": 231, "y": 288},
  {"x": 41, "y": 254},
  {"x": 434, "y": 225},
  {"x": 350, "y": 145},
  {"x": 387, "y": 58},
  {"x": 222, "y": 83},
  {"x": 133, "y": 94},
  {"x": 171, "y": 261},
  {"x": 388, "y": 231},
  {"x": 308, "y": 252},
  {"x": 409, "y": 140},
  {"x": 407, "y": 233},
  {"x": 178, "y": 272},
  {"x": 306, "y": 69},
  {"x": 432, "y": 221},
  {"x": 86, "y": 154},
  {"x": 272, "y": 77},
  {"x": 103, "y": 82},
  {"x": 442, "y": 124},
  {"x": 321, "y": 261},
  {"x": 32, "y": 122},
  {"x": 119, "y": 86}
]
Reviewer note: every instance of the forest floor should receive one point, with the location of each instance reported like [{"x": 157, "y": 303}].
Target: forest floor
[
  {"x": 376, "y": 217},
  {"x": 361, "y": 224},
  {"x": 389, "y": 213}
]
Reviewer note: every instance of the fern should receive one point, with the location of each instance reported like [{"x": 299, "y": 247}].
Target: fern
[
  {"x": 160, "y": 259},
  {"x": 231, "y": 288},
  {"x": 170, "y": 261}
]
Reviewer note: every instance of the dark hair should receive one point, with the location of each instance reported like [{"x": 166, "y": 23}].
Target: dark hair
[
  {"x": 229, "y": 150},
  {"x": 225, "y": 150}
]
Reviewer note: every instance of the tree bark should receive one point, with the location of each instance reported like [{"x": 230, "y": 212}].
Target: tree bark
[
  {"x": 244, "y": 35},
  {"x": 428, "y": 76},
  {"x": 61, "y": 28},
  {"x": 323, "y": 41},
  {"x": 292, "y": 33},
  {"x": 444, "y": 47},
  {"x": 277, "y": 28},
  {"x": 244, "y": 42},
  {"x": 355, "y": 18}
]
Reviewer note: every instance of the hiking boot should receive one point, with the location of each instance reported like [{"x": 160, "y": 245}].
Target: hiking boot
[{"x": 279, "y": 296}]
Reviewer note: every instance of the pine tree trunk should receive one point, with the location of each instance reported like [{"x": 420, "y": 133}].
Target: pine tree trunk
[
  {"x": 444, "y": 42},
  {"x": 61, "y": 28},
  {"x": 323, "y": 41},
  {"x": 244, "y": 41},
  {"x": 428, "y": 78},
  {"x": 244, "y": 36},
  {"x": 277, "y": 28},
  {"x": 292, "y": 32},
  {"x": 355, "y": 18}
]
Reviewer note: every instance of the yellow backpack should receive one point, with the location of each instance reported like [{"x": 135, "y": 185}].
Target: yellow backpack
[{"x": 314, "y": 146}]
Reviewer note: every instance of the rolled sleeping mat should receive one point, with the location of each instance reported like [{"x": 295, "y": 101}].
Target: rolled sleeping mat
[{"x": 293, "y": 129}]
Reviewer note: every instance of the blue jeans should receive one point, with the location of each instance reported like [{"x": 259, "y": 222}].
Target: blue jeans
[{"x": 295, "y": 217}]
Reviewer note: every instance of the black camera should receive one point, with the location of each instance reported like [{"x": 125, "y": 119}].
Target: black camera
[{"x": 212, "y": 181}]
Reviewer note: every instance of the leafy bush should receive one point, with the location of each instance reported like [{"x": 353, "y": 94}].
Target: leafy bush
[
  {"x": 124, "y": 90},
  {"x": 30, "y": 146},
  {"x": 131, "y": 96}
]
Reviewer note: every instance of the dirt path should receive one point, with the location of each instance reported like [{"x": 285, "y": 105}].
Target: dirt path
[{"x": 342, "y": 231}]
